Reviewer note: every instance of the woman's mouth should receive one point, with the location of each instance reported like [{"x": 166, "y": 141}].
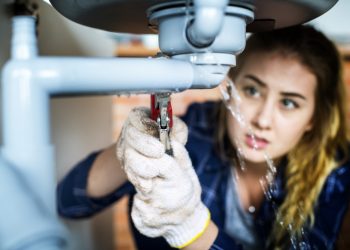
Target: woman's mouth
[{"x": 255, "y": 142}]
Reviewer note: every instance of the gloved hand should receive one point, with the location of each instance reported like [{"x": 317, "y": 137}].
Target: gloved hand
[{"x": 168, "y": 200}]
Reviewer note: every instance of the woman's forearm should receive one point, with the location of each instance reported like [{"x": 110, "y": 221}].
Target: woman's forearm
[
  {"x": 206, "y": 239},
  {"x": 106, "y": 174}
]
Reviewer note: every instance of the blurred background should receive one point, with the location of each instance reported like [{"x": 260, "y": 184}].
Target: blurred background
[{"x": 81, "y": 125}]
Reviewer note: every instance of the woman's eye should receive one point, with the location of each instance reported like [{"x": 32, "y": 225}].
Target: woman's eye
[
  {"x": 289, "y": 104},
  {"x": 251, "y": 91}
]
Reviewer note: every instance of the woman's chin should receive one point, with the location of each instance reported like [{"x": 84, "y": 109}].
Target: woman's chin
[{"x": 256, "y": 156}]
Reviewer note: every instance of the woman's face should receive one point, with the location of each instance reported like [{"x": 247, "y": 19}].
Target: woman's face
[{"x": 277, "y": 102}]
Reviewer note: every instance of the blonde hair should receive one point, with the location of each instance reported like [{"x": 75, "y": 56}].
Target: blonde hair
[{"x": 318, "y": 153}]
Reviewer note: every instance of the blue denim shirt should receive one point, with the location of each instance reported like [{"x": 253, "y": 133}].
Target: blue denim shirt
[{"x": 212, "y": 172}]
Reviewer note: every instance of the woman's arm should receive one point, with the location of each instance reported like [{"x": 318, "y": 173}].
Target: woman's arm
[
  {"x": 106, "y": 174},
  {"x": 206, "y": 240},
  {"x": 214, "y": 239},
  {"x": 92, "y": 185}
]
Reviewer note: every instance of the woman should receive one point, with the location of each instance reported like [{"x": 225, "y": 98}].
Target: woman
[{"x": 278, "y": 178}]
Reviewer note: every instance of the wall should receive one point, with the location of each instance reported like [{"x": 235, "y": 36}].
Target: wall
[{"x": 79, "y": 126}]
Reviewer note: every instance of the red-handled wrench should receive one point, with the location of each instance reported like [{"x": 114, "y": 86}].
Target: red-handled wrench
[{"x": 162, "y": 113}]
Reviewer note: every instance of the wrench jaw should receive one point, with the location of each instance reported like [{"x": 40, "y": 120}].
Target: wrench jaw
[
  {"x": 165, "y": 139},
  {"x": 161, "y": 112}
]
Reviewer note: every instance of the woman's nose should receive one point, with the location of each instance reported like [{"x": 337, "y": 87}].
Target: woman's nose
[{"x": 264, "y": 115}]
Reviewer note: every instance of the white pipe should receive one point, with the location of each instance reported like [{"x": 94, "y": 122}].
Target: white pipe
[
  {"x": 207, "y": 24},
  {"x": 113, "y": 75},
  {"x": 25, "y": 107},
  {"x": 24, "y": 42},
  {"x": 29, "y": 84},
  {"x": 25, "y": 223}
]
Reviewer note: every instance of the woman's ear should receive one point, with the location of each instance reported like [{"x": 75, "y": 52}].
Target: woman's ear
[{"x": 309, "y": 126}]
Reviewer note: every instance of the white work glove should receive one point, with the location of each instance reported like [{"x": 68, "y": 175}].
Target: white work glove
[{"x": 168, "y": 200}]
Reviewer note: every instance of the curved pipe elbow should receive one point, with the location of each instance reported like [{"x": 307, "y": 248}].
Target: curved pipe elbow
[
  {"x": 199, "y": 36},
  {"x": 209, "y": 16}
]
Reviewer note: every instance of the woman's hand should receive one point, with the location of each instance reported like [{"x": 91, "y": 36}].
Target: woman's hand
[{"x": 168, "y": 200}]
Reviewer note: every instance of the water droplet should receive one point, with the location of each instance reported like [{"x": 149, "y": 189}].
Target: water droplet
[
  {"x": 251, "y": 209},
  {"x": 303, "y": 246},
  {"x": 228, "y": 95},
  {"x": 265, "y": 189},
  {"x": 240, "y": 155},
  {"x": 271, "y": 166}
]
